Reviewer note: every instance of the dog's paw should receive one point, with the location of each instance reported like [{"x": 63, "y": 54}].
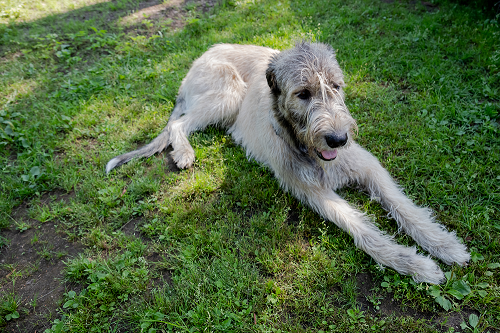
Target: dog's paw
[
  {"x": 446, "y": 246},
  {"x": 452, "y": 252},
  {"x": 426, "y": 270},
  {"x": 183, "y": 159},
  {"x": 406, "y": 261}
]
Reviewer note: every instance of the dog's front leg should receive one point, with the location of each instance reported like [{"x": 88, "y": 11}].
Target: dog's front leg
[
  {"x": 416, "y": 221},
  {"x": 369, "y": 238}
]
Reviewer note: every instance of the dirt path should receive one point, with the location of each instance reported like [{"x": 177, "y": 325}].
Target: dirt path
[{"x": 31, "y": 271}]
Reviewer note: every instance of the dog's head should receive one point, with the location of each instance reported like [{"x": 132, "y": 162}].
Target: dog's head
[{"x": 308, "y": 101}]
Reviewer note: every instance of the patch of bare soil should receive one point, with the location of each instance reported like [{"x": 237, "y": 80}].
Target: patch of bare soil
[
  {"x": 172, "y": 13},
  {"x": 165, "y": 275},
  {"x": 429, "y": 6},
  {"x": 389, "y": 306},
  {"x": 31, "y": 268},
  {"x": 11, "y": 57},
  {"x": 136, "y": 12},
  {"x": 133, "y": 17},
  {"x": 131, "y": 228},
  {"x": 154, "y": 10}
]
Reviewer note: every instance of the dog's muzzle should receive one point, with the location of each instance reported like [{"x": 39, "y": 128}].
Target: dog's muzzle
[{"x": 333, "y": 141}]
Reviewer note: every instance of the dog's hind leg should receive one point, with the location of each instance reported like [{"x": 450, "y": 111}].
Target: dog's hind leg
[
  {"x": 183, "y": 153},
  {"x": 416, "y": 221},
  {"x": 161, "y": 142},
  {"x": 211, "y": 98},
  {"x": 157, "y": 145},
  {"x": 210, "y": 94}
]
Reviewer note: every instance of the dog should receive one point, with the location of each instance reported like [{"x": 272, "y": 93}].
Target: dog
[{"x": 287, "y": 110}]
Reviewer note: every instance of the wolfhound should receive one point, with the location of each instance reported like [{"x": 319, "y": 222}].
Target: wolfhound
[{"x": 287, "y": 110}]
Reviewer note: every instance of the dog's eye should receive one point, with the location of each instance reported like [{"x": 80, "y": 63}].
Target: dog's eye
[
  {"x": 304, "y": 94},
  {"x": 336, "y": 86}
]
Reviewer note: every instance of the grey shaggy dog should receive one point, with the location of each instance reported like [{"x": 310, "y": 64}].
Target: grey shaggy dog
[{"x": 287, "y": 110}]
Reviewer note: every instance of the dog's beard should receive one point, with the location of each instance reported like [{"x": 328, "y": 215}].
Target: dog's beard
[
  {"x": 305, "y": 140},
  {"x": 305, "y": 130},
  {"x": 321, "y": 124}
]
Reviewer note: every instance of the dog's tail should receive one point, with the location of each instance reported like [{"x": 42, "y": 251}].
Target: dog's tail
[{"x": 157, "y": 145}]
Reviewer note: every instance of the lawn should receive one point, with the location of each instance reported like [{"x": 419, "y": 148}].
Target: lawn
[{"x": 220, "y": 247}]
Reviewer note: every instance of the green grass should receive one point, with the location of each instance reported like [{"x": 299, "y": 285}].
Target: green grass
[{"x": 233, "y": 251}]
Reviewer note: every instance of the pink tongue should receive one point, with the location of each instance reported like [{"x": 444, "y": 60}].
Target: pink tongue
[{"x": 329, "y": 154}]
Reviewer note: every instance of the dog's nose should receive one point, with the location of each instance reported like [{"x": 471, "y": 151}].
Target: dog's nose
[{"x": 335, "y": 141}]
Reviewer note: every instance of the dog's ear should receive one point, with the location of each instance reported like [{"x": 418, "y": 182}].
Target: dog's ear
[
  {"x": 271, "y": 81},
  {"x": 330, "y": 49}
]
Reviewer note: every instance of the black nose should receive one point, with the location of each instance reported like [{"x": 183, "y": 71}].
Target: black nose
[{"x": 335, "y": 141}]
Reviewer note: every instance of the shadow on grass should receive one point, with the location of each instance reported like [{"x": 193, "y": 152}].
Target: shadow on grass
[
  {"x": 55, "y": 64},
  {"x": 114, "y": 16}
]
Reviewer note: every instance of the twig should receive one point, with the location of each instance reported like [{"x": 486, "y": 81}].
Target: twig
[
  {"x": 47, "y": 293},
  {"x": 123, "y": 226}
]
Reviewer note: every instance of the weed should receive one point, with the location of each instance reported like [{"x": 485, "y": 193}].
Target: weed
[
  {"x": 109, "y": 284},
  {"x": 10, "y": 132},
  {"x": 42, "y": 213},
  {"x": 375, "y": 300},
  {"x": 3, "y": 241},
  {"x": 71, "y": 302},
  {"x": 35, "y": 238},
  {"x": 8, "y": 307},
  {"x": 45, "y": 252},
  {"x": 57, "y": 327},
  {"x": 473, "y": 321},
  {"x": 22, "y": 226},
  {"x": 356, "y": 318},
  {"x": 34, "y": 302},
  {"x": 61, "y": 254}
]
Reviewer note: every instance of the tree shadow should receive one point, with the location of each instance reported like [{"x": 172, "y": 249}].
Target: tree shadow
[{"x": 114, "y": 16}]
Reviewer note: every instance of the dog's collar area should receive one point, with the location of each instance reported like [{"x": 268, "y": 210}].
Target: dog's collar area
[
  {"x": 303, "y": 148},
  {"x": 299, "y": 145},
  {"x": 327, "y": 155}
]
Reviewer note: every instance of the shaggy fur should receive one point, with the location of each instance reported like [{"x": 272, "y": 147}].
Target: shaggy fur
[{"x": 287, "y": 110}]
